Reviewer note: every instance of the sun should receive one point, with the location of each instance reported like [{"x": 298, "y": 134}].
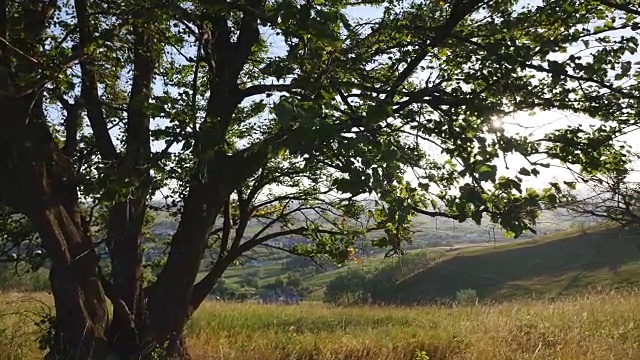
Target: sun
[{"x": 496, "y": 123}]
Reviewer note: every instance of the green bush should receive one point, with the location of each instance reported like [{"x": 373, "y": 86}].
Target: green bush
[
  {"x": 226, "y": 290},
  {"x": 467, "y": 297},
  {"x": 348, "y": 288},
  {"x": 20, "y": 277}
]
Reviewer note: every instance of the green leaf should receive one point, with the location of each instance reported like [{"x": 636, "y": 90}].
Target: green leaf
[
  {"x": 378, "y": 112},
  {"x": 524, "y": 172},
  {"x": 285, "y": 112},
  {"x": 487, "y": 172}
]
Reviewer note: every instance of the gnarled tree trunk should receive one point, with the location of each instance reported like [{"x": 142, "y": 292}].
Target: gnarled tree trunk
[{"x": 33, "y": 174}]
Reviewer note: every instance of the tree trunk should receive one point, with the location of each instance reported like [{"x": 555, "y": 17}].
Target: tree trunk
[
  {"x": 123, "y": 240},
  {"x": 81, "y": 317},
  {"x": 35, "y": 179},
  {"x": 79, "y": 330},
  {"x": 169, "y": 300}
]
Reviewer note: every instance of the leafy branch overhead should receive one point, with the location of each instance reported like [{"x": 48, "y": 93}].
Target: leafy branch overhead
[{"x": 255, "y": 120}]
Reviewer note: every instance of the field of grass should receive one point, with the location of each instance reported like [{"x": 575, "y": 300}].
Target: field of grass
[
  {"x": 564, "y": 296},
  {"x": 598, "y": 326}
]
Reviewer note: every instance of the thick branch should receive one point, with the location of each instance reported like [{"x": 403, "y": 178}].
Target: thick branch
[
  {"x": 71, "y": 125},
  {"x": 138, "y": 117},
  {"x": 265, "y": 88},
  {"x": 459, "y": 10},
  {"x": 226, "y": 227},
  {"x": 249, "y": 35},
  {"x": 89, "y": 89},
  {"x": 244, "y": 217},
  {"x": 3, "y": 22},
  {"x": 624, "y": 7}
]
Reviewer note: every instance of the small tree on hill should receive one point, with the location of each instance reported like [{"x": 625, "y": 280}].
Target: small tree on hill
[
  {"x": 349, "y": 287},
  {"x": 611, "y": 197},
  {"x": 251, "y": 280}
]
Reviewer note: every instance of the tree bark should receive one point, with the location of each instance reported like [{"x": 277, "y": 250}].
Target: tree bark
[
  {"x": 123, "y": 239},
  {"x": 36, "y": 178},
  {"x": 81, "y": 310},
  {"x": 168, "y": 304}
]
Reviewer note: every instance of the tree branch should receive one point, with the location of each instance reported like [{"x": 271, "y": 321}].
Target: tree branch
[
  {"x": 255, "y": 241},
  {"x": 620, "y": 6},
  {"x": 138, "y": 137},
  {"x": 244, "y": 217},
  {"x": 89, "y": 88},
  {"x": 459, "y": 10},
  {"x": 71, "y": 125},
  {"x": 249, "y": 35},
  {"x": 226, "y": 228},
  {"x": 266, "y": 88}
]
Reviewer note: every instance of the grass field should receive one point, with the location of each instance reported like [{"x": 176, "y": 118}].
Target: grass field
[
  {"x": 605, "y": 326},
  {"x": 565, "y": 296}
]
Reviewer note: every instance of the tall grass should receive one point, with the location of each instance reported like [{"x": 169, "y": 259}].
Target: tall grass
[
  {"x": 20, "y": 314},
  {"x": 597, "y": 326}
]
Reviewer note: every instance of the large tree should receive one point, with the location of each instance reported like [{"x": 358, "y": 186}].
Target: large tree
[{"x": 290, "y": 111}]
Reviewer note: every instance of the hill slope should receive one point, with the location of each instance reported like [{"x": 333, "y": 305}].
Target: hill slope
[{"x": 557, "y": 265}]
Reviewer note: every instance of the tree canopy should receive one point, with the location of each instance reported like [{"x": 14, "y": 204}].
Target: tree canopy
[{"x": 285, "y": 118}]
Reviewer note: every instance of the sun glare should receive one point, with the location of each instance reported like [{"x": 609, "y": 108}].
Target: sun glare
[{"x": 496, "y": 123}]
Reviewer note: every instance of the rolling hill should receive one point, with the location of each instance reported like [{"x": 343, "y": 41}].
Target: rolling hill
[{"x": 561, "y": 264}]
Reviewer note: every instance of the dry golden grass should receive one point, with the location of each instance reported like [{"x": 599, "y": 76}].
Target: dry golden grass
[
  {"x": 605, "y": 326},
  {"x": 19, "y": 316}
]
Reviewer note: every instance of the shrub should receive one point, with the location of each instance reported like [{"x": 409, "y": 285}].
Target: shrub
[
  {"x": 348, "y": 288},
  {"x": 20, "y": 277},
  {"x": 467, "y": 297}
]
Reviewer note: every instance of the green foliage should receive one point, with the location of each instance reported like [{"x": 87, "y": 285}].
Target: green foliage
[
  {"x": 251, "y": 280},
  {"x": 46, "y": 327},
  {"x": 376, "y": 283},
  {"x": 226, "y": 290},
  {"x": 338, "y": 125},
  {"x": 291, "y": 282},
  {"x": 299, "y": 263},
  {"x": 421, "y": 355},
  {"x": 467, "y": 297},
  {"x": 21, "y": 277},
  {"x": 296, "y": 284},
  {"x": 348, "y": 288}
]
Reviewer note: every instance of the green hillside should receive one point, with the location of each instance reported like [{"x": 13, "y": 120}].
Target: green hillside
[{"x": 561, "y": 264}]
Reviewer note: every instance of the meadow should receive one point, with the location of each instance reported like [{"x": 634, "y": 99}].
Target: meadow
[
  {"x": 596, "y": 326},
  {"x": 569, "y": 295}
]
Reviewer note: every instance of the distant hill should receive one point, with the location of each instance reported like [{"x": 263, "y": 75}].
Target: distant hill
[
  {"x": 565, "y": 263},
  {"x": 472, "y": 255},
  {"x": 425, "y": 229}
]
